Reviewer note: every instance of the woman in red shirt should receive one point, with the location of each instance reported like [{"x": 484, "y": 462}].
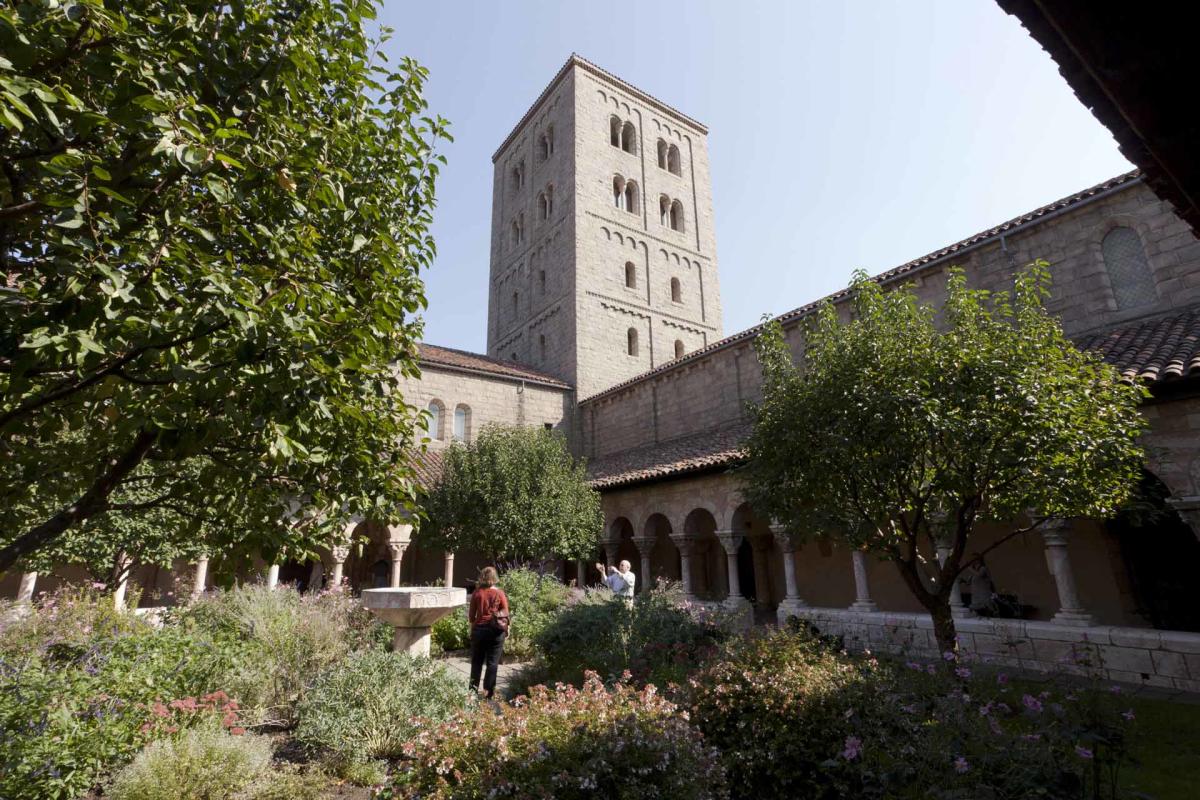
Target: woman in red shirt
[{"x": 488, "y": 615}]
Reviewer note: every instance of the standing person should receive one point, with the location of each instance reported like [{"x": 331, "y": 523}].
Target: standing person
[
  {"x": 619, "y": 578},
  {"x": 488, "y": 615},
  {"x": 983, "y": 591}
]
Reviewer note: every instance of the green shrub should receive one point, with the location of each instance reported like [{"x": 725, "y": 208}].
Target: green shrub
[
  {"x": 568, "y": 744},
  {"x": 285, "y": 640},
  {"x": 535, "y": 601},
  {"x": 452, "y": 632},
  {"x": 659, "y": 638},
  {"x": 206, "y": 763},
  {"x": 365, "y": 707},
  {"x": 795, "y": 718}
]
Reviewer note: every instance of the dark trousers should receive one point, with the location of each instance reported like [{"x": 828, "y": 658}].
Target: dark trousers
[{"x": 487, "y": 645}]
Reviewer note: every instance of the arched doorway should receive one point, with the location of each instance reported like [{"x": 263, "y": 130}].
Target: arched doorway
[
  {"x": 1162, "y": 558},
  {"x": 708, "y": 561}
]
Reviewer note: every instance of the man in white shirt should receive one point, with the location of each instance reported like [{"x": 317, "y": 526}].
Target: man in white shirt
[{"x": 619, "y": 578}]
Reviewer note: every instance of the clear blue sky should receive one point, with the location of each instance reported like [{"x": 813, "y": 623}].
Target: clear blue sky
[{"x": 841, "y": 134}]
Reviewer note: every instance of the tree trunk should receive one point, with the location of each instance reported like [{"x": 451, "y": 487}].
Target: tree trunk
[
  {"x": 943, "y": 624},
  {"x": 93, "y": 501}
]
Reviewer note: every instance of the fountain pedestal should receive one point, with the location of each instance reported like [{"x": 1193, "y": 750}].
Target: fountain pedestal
[{"x": 411, "y": 611}]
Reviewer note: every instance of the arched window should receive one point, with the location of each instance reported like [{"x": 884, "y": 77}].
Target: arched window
[
  {"x": 542, "y": 281},
  {"x": 673, "y": 161},
  {"x": 614, "y": 131},
  {"x": 631, "y": 343},
  {"x": 662, "y": 154},
  {"x": 521, "y": 227},
  {"x": 516, "y": 234},
  {"x": 679, "y": 348},
  {"x": 630, "y": 275},
  {"x": 546, "y": 143},
  {"x": 518, "y": 175},
  {"x": 676, "y": 215},
  {"x": 549, "y": 201},
  {"x": 664, "y": 210},
  {"x": 515, "y": 301},
  {"x": 543, "y": 206},
  {"x": 676, "y": 291},
  {"x": 433, "y": 423},
  {"x": 1128, "y": 269},
  {"x": 462, "y": 423},
  {"x": 619, "y": 192},
  {"x": 542, "y": 348},
  {"x": 629, "y": 138},
  {"x": 631, "y": 197},
  {"x": 513, "y": 358}
]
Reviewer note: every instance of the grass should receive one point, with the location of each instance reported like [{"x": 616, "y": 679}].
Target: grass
[{"x": 1166, "y": 750}]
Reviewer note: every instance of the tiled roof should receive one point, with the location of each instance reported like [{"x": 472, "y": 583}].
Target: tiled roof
[
  {"x": 693, "y": 453},
  {"x": 1155, "y": 350},
  {"x": 896, "y": 273},
  {"x": 474, "y": 362},
  {"x": 429, "y": 466}
]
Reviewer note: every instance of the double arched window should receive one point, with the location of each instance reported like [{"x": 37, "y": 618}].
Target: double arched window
[
  {"x": 668, "y": 158},
  {"x": 462, "y": 423},
  {"x": 630, "y": 275},
  {"x": 433, "y": 422},
  {"x": 670, "y": 213},
  {"x": 1128, "y": 269},
  {"x": 546, "y": 143},
  {"x": 517, "y": 230},
  {"x": 676, "y": 291},
  {"x": 518, "y": 175},
  {"x": 625, "y": 194},
  {"x": 622, "y": 134},
  {"x": 631, "y": 341},
  {"x": 545, "y": 202}
]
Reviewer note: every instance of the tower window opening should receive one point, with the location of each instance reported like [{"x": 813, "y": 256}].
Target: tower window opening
[
  {"x": 631, "y": 342},
  {"x": 664, "y": 210},
  {"x": 631, "y": 197},
  {"x": 619, "y": 192},
  {"x": 673, "y": 161},
  {"x": 542, "y": 348},
  {"x": 614, "y": 131},
  {"x": 676, "y": 215},
  {"x": 462, "y": 423},
  {"x": 546, "y": 143},
  {"x": 630, "y": 275},
  {"x": 518, "y": 175},
  {"x": 662, "y": 154},
  {"x": 679, "y": 348},
  {"x": 1128, "y": 268},
  {"x": 676, "y": 291},
  {"x": 515, "y": 301},
  {"x": 542, "y": 281},
  {"x": 629, "y": 138}
]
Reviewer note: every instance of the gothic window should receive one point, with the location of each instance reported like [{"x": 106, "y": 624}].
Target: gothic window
[
  {"x": 676, "y": 215},
  {"x": 546, "y": 143},
  {"x": 662, "y": 154},
  {"x": 630, "y": 275},
  {"x": 1128, "y": 269},
  {"x": 543, "y": 209},
  {"x": 518, "y": 175},
  {"x": 679, "y": 348},
  {"x": 462, "y": 423},
  {"x": 549, "y": 201},
  {"x": 614, "y": 131},
  {"x": 629, "y": 138},
  {"x": 631, "y": 342},
  {"x": 515, "y": 232},
  {"x": 619, "y": 192},
  {"x": 631, "y": 197},
  {"x": 676, "y": 291},
  {"x": 542, "y": 348},
  {"x": 433, "y": 422},
  {"x": 673, "y": 161}
]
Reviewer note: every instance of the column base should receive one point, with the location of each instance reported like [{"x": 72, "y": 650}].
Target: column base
[
  {"x": 864, "y": 605},
  {"x": 789, "y": 607},
  {"x": 741, "y": 609},
  {"x": 414, "y": 641},
  {"x": 1075, "y": 617}
]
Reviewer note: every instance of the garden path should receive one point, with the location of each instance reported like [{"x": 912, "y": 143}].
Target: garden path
[{"x": 462, "y": 665}]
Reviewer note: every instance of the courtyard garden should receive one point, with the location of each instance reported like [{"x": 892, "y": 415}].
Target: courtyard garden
[{"x": 269, "y": 693}]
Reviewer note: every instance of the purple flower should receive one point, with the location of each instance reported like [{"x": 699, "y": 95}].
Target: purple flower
[
  {"x": 963, "y": 672},
  {"x": 853, "y": 748},
  {"x": 961, "y": 765},
  {"x": 931, "y": 670},
  {"x": 914, "y": 665},
  {"x": 1032, "y": 703},
  {"x": 948, "y": 655},
  {"x": 985, "y": 709},
  {"x": 1002, "y": 679},
  {"x": 1082, "y": 751}
]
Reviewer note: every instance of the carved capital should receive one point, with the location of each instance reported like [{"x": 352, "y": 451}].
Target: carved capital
[
  {"x": 340, "y": 553},
  {"x": 730, "y": 541},
  {"x": 788, "y": 541},
  {"x": 684, "y": 544},
  {"x": 396, "y": 550}
]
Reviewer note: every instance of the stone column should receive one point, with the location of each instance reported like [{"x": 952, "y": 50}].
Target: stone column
[
  {"x": 792, "y": 601},
  {"x": 957, "y": 607},
  {"x": 448, "y": 569},
  {"x": 1071, "y": 610},
  {"x": 611, "y": 548},
  {"x": 862, "y": 589},
  {"x": 200, "y": 577},
  {"x": 762, "y": 574},
  {"x": 730, "y": 542},
  {"x": 26, "y": 587},
  {"x": 686, "y": 547},
  {"x": 644, "y": 545},
  {"x": 340, "y": 553},
  {"x": 396, "y": 553},
  {"x": 272, "y": 576}
]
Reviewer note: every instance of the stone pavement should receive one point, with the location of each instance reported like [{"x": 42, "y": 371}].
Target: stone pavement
[{"x": 462, "y": 665}]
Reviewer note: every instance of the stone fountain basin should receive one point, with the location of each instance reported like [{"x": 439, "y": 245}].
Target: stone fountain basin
[{"x": 412, "y": 610}]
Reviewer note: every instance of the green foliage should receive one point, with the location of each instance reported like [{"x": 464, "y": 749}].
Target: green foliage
[
  {"x": 793, "y": 718},
  {"x": 906, "y": 427},
  {"x": 202, "y": 764},
  {"x": 367, "y": 705},
  {"x": 452, "y": 632},
  {"x": 534, "y": 600},
  {"x": 284, "y": 641},
  {"x": 658, "y": 638},
  {"x": 515, "y": 494},
  {"x": 568, "y": 744},
  {"x": 214, "y": 218}
]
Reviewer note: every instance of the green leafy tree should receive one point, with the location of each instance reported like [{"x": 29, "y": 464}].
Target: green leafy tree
[
  {"x": 514, "y": 494},
  {"x": 904, "y": 429},
  {"x": 212, "y": 220}
]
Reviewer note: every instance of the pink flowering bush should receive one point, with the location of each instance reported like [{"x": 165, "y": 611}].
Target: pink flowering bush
[
  {"x": 794, "y": 717},
  {"x": 565, "y": 743}
]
